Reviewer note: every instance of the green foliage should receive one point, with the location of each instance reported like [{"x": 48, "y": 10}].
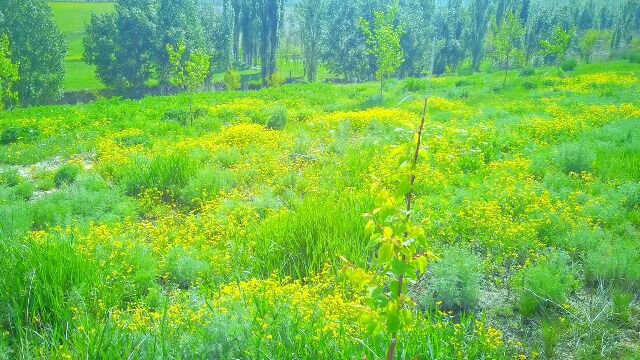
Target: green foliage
[
  {"x": 545, "y": 285},
  {"x": 456, "y": 279},
  {"x": 383, "y": 42},
  {"x": 310, "y": 19},
  {"x": 9, "y": 75},
  {"x": 233, "y": 80},
  {"x": 187, "y": 71},
  {"x": 122, "y": 44},
  {"x": 558, "y": 45},
  {"x": 506, "y": 43},
  {"x": 277, "y": 117},
  {"x": 589, "y": 42},
  {"x": 179, "y": 29},
  {"x": 67, "y": 174},
  {"x": 39, "y": 51}
]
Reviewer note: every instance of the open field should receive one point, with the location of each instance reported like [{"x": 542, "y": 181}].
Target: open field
[
  {"x": 72, "y": 19},
  {"x": 130, "y": 230}
]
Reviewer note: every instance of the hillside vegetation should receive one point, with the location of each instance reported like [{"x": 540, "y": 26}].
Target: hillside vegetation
[{"x": 134, "y": 230}]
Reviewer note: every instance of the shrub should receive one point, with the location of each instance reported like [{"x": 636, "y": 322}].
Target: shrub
[
  {"x": 456, "y": 279},
  {"x": 415, "y": 84},
  {"x": 206, "y": 184},
  {"x": 569, "y": 65},
  {"x": 278, "y": 116},
  {"x": 67, "y": 174},
  {"x": 528, "y": 71},
  {"x": 575, "y": 158},
  {"x": 184, "y": 267},
  {"x": 545, "y": 284},
  {"x": 373, "y": 101},
  {"x": 529, "y": 85},
  {"x": 232, "y": 80}
]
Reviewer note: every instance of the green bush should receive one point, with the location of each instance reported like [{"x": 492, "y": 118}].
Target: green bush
[
  {"x": 529, "y": 85},
  {"x": 232, "y": 80},
  {"x": 277, "y": 117},
  {"x": 456, "y": 279},
  {"x": 415, "y": 84},
  {"x": 67, "y": 174},
  {"x": 10, "y": 178},
  {"x": 14, "y": 134},
  {"x": 569, "y": 65},
  {"x": 634, "y": 58},
  {"x": 615, "y": 260},
  {"x": 546, "y": 284},
  {"x": 575, "y": 158},
  {"x": 207, "y": 184}
]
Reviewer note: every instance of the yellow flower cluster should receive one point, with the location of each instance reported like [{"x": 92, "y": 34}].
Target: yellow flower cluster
[
  {"x": 320, "y": 300},
  {"x": 588, "y": 82}
]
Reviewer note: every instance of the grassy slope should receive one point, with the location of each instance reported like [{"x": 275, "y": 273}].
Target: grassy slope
[
  {"x": 72, "y": 19},
  {"x": 498, "y": 179}
]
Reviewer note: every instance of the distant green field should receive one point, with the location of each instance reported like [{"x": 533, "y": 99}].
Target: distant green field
[{"x": 72, "y": 19}]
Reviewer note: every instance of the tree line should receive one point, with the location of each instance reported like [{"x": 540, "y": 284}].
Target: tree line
[{"x": 179, "y": 43}]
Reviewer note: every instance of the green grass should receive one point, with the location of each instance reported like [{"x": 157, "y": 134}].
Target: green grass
[{"x": 72, "y": 19}]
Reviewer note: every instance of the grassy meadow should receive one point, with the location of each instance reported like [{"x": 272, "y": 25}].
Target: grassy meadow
[
  {"x": 72, "y": 19},
  {"x": 130, "y": 230}
]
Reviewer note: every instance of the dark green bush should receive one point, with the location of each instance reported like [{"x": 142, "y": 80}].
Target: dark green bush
[
  {"x": 569, "y": 65},
  {"x": 634, "y": 58},
  {"x": 546, "y": 284},
  {"x": 528, "y": 71},
  {"x": 277, "y": 117},
  {"x": 14, "y": 134},
  {"x": 67, "y": 174},
  {"x": 529, "y": 85}
]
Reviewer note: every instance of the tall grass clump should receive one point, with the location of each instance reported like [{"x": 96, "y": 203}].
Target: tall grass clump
[
  {"x": 167, "y": 173},
  {"x": 321, "y": 230}
]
